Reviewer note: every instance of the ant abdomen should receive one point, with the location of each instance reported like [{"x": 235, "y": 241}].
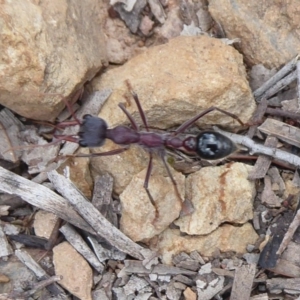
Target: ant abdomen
[
  {"x": 92, "y": 132},
  {"x": 213, "y": 145}
]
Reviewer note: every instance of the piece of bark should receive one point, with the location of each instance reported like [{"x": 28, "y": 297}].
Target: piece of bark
[
  {"x": 243, "y": 280},
  {"x": 37, "y": 153},
  {"x": 79, "y": 244},
  {"x": 12, "y": 200},
  {"x": 268, "y": 197},
  {"x": 102, "y": 197},
  {"x": 26, "y": 259},
  {"x": 184, "y": 279},
  {"x": 275, "y": 78},
  {"x": 103, "y": 227},
  {"x": 277, "y": 179},
  {"x": 10, "y": 128},
  {"x": 283, "y": 131},
  {"x": 136, "y": 267},
  {"x": 105, "y": 253},
  {"x": 42, "y": 284},
  {"x": 207, "y": 290},
  {"x": 281, "y": 84},
  {"x": 5, "y": 248},
  {"x": 223, "y": 272},
  {"x": 281, "y": 284},
  {"x": 292, "y": 253},
  {"x": 196, "y": 256},
  {"x": 263, "y": 162},
  {"x": 281, "y": 113},
  {"x": 41, "y": 197},
  {"x": 286, "y": 268},
  {"x": 31, "y": 241},
  {"x": 189, "y": 265},
  {"x": 290, "y": 232}
]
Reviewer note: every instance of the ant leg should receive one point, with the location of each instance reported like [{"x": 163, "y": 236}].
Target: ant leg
[
  {"x": 129, "y": 116},
  {"x": 186, "y": 208},
  {"x": 148, "y": 173},
  {"x": 162, "y": 156},
  {"x": 138, "y": 104},
  {"x": 190, "y": 122},
  {"x": 75, "y": 97}
]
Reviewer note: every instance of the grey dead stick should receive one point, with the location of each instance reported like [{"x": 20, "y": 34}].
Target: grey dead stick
[
  {"x": 41, "y": 197},
  {"x": 97, "y": 221},
  {"x": 289, "y": 67}
]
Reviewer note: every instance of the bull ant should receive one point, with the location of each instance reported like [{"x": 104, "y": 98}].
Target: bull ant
[{"x": 94, "y": 131}]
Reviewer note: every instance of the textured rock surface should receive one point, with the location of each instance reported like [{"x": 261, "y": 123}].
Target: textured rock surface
[
  {"x": 76, "y": 272},
  {"x": 44, "y": 223},
  {"x": 269, "y": 30},
  {"x": 225, "y": 238},
  {"x": 42, "y": 52},
  {"x": 139, "y": 220},
  {"x": 177, "y": 80},
  {"x": 219, "y": 194}
]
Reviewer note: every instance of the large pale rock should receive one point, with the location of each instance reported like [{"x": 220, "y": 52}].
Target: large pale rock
[
  {"x": 76, "y": 272},
  {"x": 47, "y": 47},
  {"x": 269, "y": 30},
  {"x": 177, "y": 80},
  {"x": 174, "y": 82},
  {"x": 219, "y": 194},
  {"x": 139, "y": 220},
  {"x": 225, "y": 238}
]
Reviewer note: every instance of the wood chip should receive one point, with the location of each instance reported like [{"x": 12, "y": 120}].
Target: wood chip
[
  {"x": 105, "y": 253},
  {"x": 286, "y": 268},
  {"x": 282, "y": 131},
  {"x": 243, "y": 280},
  {"x": 79, "y": 244},
  {"x": 10, "y": 128},
  {"x": 136, "y": 267},
  {"x": 38, "y": 270},
  {"x": 268, "y": 197},
  {"x": 102, "y": 197},
  {"x": 5, "y": 248},
  {"x": 277, "y": 77},
  {"x": 263, "y": 162},
  {"x": 280, "y": 284}
]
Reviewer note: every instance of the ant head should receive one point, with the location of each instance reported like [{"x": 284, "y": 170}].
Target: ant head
[
  {"x": 92, "y": 132},
  {"x": 213, "y": 145}
]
